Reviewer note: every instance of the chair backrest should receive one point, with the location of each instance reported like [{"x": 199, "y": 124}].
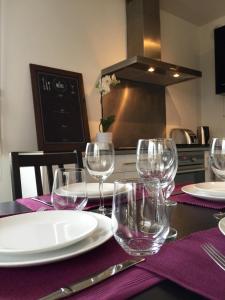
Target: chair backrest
[{"x": 38, "y": 160}]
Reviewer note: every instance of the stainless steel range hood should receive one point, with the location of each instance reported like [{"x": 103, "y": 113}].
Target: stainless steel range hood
[{"x": 144, "y": 49}]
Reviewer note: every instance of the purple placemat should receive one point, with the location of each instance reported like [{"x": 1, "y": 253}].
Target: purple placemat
[
  {"x": 35, "y": 206},
  {"x": 181, "y": 197},
  {"x": 37, "y": 281},
  {"x": 188, "y": 199},
  {"x": 185, "y": 263}
]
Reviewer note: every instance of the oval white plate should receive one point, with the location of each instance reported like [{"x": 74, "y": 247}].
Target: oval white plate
[
  {"x": 192, "y": 190},
  {"x": 222, "y": 225},
  {"x": 213, "y": 188},
  {"x": 92, "y": 189},
  {"x": 44, "y": 231},
  {"x": 102, "y": 233}
]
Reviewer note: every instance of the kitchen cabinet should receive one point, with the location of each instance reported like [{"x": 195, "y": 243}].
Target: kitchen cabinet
[{"x": 193, "y": 165}]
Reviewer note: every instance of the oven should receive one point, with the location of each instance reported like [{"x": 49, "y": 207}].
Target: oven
[{"x": 191, "y": 166}]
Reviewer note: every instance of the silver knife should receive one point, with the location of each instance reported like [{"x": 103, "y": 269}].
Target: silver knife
[{"x": 92, "y": 280}]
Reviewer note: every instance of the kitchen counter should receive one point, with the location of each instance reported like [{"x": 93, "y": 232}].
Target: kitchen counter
[{"x": 180, "y": 147}]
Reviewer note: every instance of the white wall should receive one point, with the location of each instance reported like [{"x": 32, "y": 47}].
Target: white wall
[
  {"x": 180, "y": 45},
  {"x": 212, "y": 105},
  {"x": 78, "y": 35}
]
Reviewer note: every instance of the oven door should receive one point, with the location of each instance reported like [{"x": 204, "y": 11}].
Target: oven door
[{"x": 190, "y": 174}]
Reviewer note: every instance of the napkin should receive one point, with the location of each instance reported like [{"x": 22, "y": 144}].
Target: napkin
[{"x": 185, "y": 263}]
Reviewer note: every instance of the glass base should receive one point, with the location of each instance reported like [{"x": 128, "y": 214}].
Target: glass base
[
  {"x": 219, "y": 215},
  {"x": 172, "y": 233},
  {"x": 106, "y": 211}
]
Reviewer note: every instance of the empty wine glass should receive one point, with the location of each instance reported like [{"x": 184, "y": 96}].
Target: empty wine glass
[
  {"x": 139, "y": 221},
  {"x": 217, "y": 162},
  {"x": 157, "y": 158},
  {"x": 69, "y": 189},
  {"x": 217, "y": 157},
  {"x": 99, "y": 160}
]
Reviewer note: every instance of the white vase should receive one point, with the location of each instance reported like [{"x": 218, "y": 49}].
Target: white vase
[{"x": 104, "y": 137}]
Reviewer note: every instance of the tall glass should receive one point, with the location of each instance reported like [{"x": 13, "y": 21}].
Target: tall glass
[
  {"x": 69, "y": 189},
  {"x": 99, "y": 160},
  {"x": 139, "y": 220},
  {"x": 157, "y": 158}
]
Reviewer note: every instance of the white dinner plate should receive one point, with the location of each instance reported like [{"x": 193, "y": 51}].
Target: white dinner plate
[
  {"x": 207, "y": 194},
  {"x": 221, "y": 226},
  {"x": 44, "y": 231},
  {"x": 92, "y": 189},
  {"x": 102, "y": 233},
  {"x": 212, "y": 188}
]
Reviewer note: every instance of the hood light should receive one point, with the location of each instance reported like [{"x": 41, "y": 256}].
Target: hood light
[
  {"x": 151, "y": 69},
  {"x": 176, "y": 75}
]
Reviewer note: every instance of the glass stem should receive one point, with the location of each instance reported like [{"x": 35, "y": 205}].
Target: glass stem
[{"x": 101, "y": 205}]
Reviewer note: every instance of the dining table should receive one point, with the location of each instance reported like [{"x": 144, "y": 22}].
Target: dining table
[{"x": 192, "y": 220}]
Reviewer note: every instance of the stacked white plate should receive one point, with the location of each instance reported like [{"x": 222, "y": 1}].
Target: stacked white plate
[
  {"x": 221, "y": 226},
  {"x": 92, "y": 190},
  {"x": 213, "y": 191},
  {"x": 49, "y": 236}
]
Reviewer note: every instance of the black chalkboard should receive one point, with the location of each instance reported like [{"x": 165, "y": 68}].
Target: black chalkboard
[{"x": 60, "y": 109}]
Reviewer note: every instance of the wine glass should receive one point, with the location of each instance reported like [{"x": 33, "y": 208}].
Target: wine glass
[
  {"x": 99, "y": 160},
  {"x": 69, "y": 189},
  {"x": 157, "y": 158},
  {"x": 217, "y": 157},
  {"x": 217, "y": 163}
]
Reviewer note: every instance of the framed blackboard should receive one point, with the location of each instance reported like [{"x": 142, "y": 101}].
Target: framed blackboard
[{"x": 60, "y": 109}]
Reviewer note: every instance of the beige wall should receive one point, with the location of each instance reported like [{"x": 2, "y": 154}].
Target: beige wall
[
  {"x": 180, "y": 45},
  {"x": 78, "y": 35},
  {"x": 82, "y": 36}
]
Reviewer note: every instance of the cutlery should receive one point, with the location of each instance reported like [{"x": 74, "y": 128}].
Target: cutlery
[
  {"x": 216, "y": 256},
  {"x": 177, "y": 193},
  {"x": 42, "y": 201},
  {"x": 92, "y": 280}
]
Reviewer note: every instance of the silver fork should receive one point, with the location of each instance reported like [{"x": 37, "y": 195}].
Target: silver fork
[
  {"x": 42, "y": 201},
  {"x": 216, "y": 256}
]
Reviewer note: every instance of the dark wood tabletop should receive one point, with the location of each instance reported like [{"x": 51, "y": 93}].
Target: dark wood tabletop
[
  {"x": 185, "y": 218},
  {"x": 12, "y": 208}
]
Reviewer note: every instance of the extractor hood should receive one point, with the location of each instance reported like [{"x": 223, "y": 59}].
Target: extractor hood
[{"x": 144, "y": 49}]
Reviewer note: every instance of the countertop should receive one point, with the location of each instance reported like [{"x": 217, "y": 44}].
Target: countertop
[{"x": 180, "y": 147}]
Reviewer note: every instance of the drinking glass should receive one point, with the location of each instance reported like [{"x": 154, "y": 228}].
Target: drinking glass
[
  {"x": 139, "y": 220},
  {"x": 157, "y": 158},
  {"x": 69, "y": 189},
  {"x": 99, "y": 160}
]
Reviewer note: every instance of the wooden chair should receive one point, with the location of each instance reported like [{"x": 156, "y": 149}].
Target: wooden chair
[{"x": 38, "y": 160}]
